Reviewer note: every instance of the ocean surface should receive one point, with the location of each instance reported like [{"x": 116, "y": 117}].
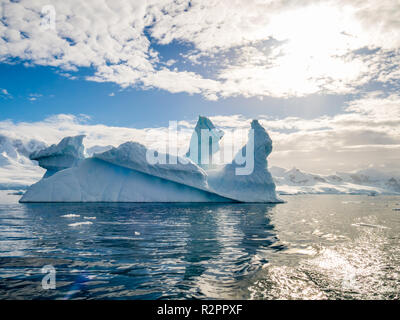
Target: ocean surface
[{"x": 311, "y": 247}]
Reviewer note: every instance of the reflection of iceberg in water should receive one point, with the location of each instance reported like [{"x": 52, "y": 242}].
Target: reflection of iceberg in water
[
  {"x": 225, "y": 246},
  {"x": 124, "y": 174}
]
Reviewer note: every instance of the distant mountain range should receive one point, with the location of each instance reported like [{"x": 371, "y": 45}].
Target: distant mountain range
[
  {"x": 367, "y": 181},
  {"x": 17, "y": 172}
]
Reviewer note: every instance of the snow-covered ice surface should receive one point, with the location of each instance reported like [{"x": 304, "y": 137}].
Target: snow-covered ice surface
[
  {"x": 71, "y": 146},
  {"x": 17, "y": 171},
  {"x": 125, "y": 174},
  {"x": 89, "y": 152},
  {"x": 132, "y": 155},
  {"x": 68, "y": 153},
  {"x": 95, "y": 180},
  {"x": 204, "y": 130},
  {"x": 258, "y": 186}
]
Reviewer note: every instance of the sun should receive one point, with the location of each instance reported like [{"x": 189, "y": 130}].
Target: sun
[{"x": 314, "y": 55}]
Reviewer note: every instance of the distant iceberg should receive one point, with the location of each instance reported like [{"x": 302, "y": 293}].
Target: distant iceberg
[{"x": 125, "y": 174}]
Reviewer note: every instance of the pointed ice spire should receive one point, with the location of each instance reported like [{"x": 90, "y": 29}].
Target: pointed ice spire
[
  {"x": 204, "y": 142},
  {"x": 247, "y": 178},
  {"x": 259, "y": 141}
]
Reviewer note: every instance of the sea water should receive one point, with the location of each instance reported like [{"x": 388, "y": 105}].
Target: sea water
[{"x": 311, "y": 247}]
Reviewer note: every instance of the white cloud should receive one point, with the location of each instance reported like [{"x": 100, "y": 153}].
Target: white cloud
[
  {"x": 367, "y": 133},
  {"x": 313, "y": 50},
  {"x": 34, "y": 96},
  {"x": 4, "y": 93}
]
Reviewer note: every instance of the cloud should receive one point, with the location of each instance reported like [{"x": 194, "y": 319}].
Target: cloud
[
  {"x": 34, "y": 96},
  {"x": 5, "y": 94},
  {"x": 366, "y": 134},
  {"x": 272, "y": 48}
]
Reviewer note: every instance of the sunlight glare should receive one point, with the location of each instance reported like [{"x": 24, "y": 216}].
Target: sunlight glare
[{"x": 313, "y": 56}]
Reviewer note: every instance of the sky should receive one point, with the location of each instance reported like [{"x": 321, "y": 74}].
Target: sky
[{"x": 323, "y": 77}]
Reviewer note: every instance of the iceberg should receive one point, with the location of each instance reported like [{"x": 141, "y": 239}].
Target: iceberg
[
  {"x": 68, "y": 153},
  {"x": 248, "y": 182},
  {"x": 95, "y": 180},
  {"x": 97, "y": 149},
  {"x": 132, "y": 155},
  {"x": 128, "y": 173},
  {"x": 207, "y": 132},
  {"x": 18, "y": 172}
]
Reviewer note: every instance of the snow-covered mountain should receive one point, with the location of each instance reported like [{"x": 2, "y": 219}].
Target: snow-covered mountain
[
  {"x": 17, "y": 171},
  {"x": 367, "y": 181}
]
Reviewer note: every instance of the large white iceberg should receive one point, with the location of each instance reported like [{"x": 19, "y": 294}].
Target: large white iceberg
[
  {"x": 18, "y": 172},
  {"x": 125, "y": 174},
  {"x": 95, "y": 180}
]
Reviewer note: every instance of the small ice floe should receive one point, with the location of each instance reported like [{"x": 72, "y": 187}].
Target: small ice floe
[
  {"x": 317, "y": 233},
  {"x": 77, "y": 224},
  {"x": 310, "y": 251},
  {"x": 119, "y": 238},
  {"x": 369, "y": 225},
  {"x": 329, "y": 236},
  {"x": 115, "y": 222},
  {"x": 126, "y": 266},
  {"x": 89, "y": 218},
  {"x": 71, "y": 215},
  {"x": 351, "y": 201}
]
